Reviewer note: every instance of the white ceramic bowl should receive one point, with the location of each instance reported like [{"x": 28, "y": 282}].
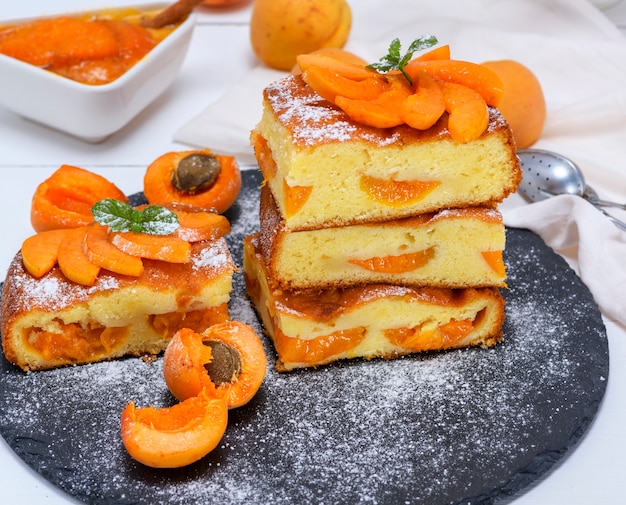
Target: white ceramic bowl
[{"x": 92, "y": 113}]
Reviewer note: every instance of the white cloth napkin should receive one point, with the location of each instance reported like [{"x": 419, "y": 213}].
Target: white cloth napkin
[{"x": 580, "y": 60}]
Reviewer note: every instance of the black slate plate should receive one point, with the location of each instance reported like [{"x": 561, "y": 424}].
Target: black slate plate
[{"x": 467, "y": 426}]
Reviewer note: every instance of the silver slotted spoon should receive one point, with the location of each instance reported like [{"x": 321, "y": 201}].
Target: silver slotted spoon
[{"x": 546, "y": 174}]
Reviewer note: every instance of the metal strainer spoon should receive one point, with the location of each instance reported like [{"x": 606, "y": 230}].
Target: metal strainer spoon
[{"x": 546, "y": 174}]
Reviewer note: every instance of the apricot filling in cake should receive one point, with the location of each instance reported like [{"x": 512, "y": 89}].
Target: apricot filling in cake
[
  {"x": 450, "y": 248},
  {"x": 315, "y": 327}
]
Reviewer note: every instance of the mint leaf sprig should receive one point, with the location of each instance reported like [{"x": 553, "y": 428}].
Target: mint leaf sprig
[
  {"x": 393, "y": 60},
  {"x": 122, "y": 217}
]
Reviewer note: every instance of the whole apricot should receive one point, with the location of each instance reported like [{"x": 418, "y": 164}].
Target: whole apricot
[
  {"x": 280, "y": 30},
  {"x": 523, "y": 103}
]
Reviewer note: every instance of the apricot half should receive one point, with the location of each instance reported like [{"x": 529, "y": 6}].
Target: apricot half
[
  {"x": 175, "y": 436},
  {"x": 64, "y": 199},
  {"x": 227, "y": 360},
  {"x": 197, "y": 177}
]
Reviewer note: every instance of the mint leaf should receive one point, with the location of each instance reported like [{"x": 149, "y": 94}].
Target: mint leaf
[
  {"x": 121, "y": 217},
  {"x": 393, "y": 60}
]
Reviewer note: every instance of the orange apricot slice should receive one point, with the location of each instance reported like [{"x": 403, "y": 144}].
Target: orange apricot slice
[
  {"x": 103, "y": 253},
  {"x": 335, "y": 53},
  {"x": 295, "y": 197},
  {"x": 72, "y": 259},
  {"x": 495, "y": 261},
  {"x": 264, "y": 156},
  {"x": 39, "y": 251},
  {"x": 155, "y": 247},
  {"x": 219, "y": 195},
  {"x": 438, "y": 53},
  {"x": 197, "y": 226},
  {"x": 396, "y": 264},
  {"x": 176, "y": 436},
  {"x": 385, "y": 111},
  {"x": 227, "y": 360},
  {"x": 468, "y": 114},
  {"x": 430, "y": 339},
  {"x": 422, "y": 109},
  {"x": 314, "y": 350},
  {"x": 392, "y": 192},
  {"x": 353, "y": 68},
  {"x": 328, "y": 84},
  {"x": 64, "y": 200},
  {"x": 472, "y": 75}
]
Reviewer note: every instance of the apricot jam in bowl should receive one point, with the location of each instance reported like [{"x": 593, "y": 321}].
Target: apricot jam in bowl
[{"x": 89, "y": 74}]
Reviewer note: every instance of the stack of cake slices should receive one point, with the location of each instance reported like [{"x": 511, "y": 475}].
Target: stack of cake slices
[{"x": 375, "y": 242}]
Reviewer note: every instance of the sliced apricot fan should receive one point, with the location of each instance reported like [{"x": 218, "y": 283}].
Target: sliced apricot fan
[
  {"x": 176, "y": 436},
  {"x": 72, "y": 259},
  {"x": 426, "y": 105},
  {"x": 481, "y": 79},
  {"x": 495, "y": 261},
  {"x": 329, "y": 84},
  {"x": 295, "y": 197},
  {"x": 314, "y": 350},
  {"x": 156, "y": 247},
  {"x": 103, "y": 253},
  {"x": 468, "y": 114},
  {"x": 392, "y": 192},
  {"x": 397, "y": 264},
  {"x": 39, "y": 251},
  {"x": 355, "y": 71},
  {"x": 420, "y": 339}
]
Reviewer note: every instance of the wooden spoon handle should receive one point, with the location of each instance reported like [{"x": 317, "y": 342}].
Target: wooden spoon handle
[{"x": 173, "y": 14}]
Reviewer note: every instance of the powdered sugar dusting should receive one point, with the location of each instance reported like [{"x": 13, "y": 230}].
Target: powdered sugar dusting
[
  {"x": 318, "y": 120},
  {"x": 464, "y": 426}
]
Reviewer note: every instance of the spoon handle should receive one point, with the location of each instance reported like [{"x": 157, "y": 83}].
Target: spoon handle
[
  {"x": 591, "y": 195},
  {"x": 617, "y": 222},
  {"x": 605, "y": 203}
]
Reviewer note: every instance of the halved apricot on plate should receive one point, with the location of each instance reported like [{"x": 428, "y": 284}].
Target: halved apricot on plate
[
  {"x": 175, "y": 436},
  {"x": 64, "y": 199},
  {"x": 227, "y": 360},
  {"x": 163, "y": 182}
]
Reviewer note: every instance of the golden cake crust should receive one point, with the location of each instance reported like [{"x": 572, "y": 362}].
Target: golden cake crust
[{"x": 118, "y": 315}]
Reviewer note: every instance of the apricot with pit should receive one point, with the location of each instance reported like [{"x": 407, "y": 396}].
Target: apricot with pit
[
  {"x": 227, "y": 360},
  {"x": 280, "y": 30}
]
